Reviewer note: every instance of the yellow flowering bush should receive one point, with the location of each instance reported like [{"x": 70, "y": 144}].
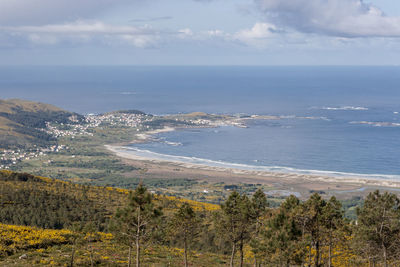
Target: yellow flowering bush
[
  {"x": 197, "y": 206},
  {"x": 14, "y": 238}
]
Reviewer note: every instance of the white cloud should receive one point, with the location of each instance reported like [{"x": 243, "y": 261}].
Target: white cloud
[
  {"x": 77, "y": 27},
  {"x": 84, "y": 32},
  {"x": 42, "y": 39},
  {"x": 37, "y": 12},
  {"x": 257, "y": 36},
  {"x": 344, "y": 18},
  {"x": 261, "y": 35},
  {"x": 215, "y": 33},
  {"x": 259, "y": 31},
  {"x": 140, "y": 41},
  {"x": 185, "y": 33}
]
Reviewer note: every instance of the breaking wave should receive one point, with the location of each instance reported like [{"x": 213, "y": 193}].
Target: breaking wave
[
  {"x": 342, "y": 108},
  {"x": 150, "y": 155},
  {"x": 377, "y": 123}
]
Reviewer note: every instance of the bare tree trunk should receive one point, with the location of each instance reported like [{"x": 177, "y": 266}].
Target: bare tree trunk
[
  {"x": 130, "y": 256},
  {"x": 385, "y": 264},
  {"x": 185, "y": 251},
  {"x": 371, "y": 262},
  {"x": 72, "y": 256},
  {"x": 316, "y": 260},
  {"x": 137, "y": 253},
  {"x": 233, "y": 254},
  {"x": 241, "y": 253},
  {"x": 256, "y": 236},
  {"x": 138, "y": 239}
]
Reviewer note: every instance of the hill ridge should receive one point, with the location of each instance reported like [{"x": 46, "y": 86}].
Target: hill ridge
[{"x": 21, "y": 122}]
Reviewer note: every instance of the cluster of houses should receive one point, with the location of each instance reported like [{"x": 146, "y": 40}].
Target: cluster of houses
[
  {"x": 93, "y": 121},
  {"x": 11, "y": 157},
  {"x": 116, "y": 119},
  {"x": 71, "y": 130}
]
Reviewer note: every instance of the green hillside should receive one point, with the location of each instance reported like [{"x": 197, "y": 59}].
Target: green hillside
[
  {"x": 21, "y": 122},
  {"x": 48, "y": 222},
  {"x": 50, "y": 203},
  {"x": 45, "y": 219}
]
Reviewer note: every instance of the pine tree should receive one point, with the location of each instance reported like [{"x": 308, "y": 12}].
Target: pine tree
[
  {"x": 379, "y": 225},
  {"x": 282, "y": 236},
  {"x": 185, "y": 225},
  {"x": 332, "y": 218},
  {"x": 234, "y": 222},
  {"x": 259, "y": 205},
  {"x": 135, "y": 224},
  {"x": 312, "y": 212}
]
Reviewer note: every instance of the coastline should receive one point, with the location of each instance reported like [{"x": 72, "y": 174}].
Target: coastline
[
  {"x": 122, "y": 152},
  {"x": 244, "y": 171}
]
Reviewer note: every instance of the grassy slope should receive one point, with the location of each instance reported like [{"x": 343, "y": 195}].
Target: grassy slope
[
  {"x": 44, "y": 247},
  {"x": 11, "y": 130},
  {"x": 8, "y": 106},
  {"x": 39, "y": 247},
  {"x": 105, "y": 199}
]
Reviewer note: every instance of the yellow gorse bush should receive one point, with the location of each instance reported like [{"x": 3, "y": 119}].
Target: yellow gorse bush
[
  {"x": 14, "y": 238},
  {"x": 197, "y": 206}
]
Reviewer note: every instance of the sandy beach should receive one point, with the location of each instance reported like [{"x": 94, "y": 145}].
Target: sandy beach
[{"x": 160, "y": 168}]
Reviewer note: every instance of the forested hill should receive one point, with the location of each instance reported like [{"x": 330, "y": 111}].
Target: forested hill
[
  {"x": 21, "y": 121},
  {"x": 43, "y": 202},
  {"x": 50, "y": 222}
]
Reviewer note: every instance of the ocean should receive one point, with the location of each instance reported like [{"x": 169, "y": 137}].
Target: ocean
[{"x": 334, "y": 120}]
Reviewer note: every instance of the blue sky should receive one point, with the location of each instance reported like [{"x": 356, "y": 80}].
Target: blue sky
[{"x": 199, "y": 32}]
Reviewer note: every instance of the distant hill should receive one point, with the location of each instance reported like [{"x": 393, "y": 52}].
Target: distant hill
[
  {"x": 13, "y": 105},
  {"x": 129, "y": 111},
  {"x": 21, "y": 121}
]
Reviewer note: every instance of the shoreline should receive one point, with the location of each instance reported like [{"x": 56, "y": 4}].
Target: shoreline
[
  {"x": 280, "y": 177},
  {"x": 320, "y": 180}
]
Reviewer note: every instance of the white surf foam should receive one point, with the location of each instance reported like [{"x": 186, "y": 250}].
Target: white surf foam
[
  {"x": 147, "y": 154},
  {"x": 345, "y": 108}
]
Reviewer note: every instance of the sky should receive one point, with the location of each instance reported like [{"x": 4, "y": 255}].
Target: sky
[{"x": 199, "y": 32}]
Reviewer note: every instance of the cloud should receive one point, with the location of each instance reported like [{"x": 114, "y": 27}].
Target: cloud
[
  {"x": 84, "y": 32},
  {"x": 216, "y": 34},
  {"x": 185, "y": 33},
  {"x": 260, "y": 31},
  {"x": 152, "y": 19},
  {"x": 259, "y": 35},
  {"x": 90, "y": 27},
  {"x": 39, "y": 12},
  {"x": 342, "y": 18}
]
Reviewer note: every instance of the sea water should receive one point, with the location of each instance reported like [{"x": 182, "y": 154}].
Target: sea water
[{"x": 334, "y": 120}]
